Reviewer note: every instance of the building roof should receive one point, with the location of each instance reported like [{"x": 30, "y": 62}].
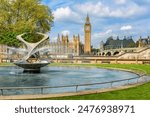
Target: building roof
[{"x": 118, "y": 42}]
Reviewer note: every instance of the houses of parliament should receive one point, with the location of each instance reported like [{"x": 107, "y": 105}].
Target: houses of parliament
[{"x": 73, "y": 46}]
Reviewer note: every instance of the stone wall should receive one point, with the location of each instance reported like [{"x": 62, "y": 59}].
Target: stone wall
[{"x": 143, "y": 54}]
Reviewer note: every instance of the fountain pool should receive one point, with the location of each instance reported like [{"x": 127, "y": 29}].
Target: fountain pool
[{"x": 60, "y": 76}]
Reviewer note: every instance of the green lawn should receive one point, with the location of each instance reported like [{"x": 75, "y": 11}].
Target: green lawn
[
  {"x": 139, "y": 93},
  {"x": 6, "y": 64}
]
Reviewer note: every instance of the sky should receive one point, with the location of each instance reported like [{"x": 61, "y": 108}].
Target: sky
[{"x": 108, "y": 18}]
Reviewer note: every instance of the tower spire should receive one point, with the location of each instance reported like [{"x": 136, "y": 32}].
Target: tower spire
[{"x": 87, "y": 19}]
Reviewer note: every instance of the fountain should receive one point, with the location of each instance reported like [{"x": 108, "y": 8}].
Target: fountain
[{"x": 32, "y": 50}]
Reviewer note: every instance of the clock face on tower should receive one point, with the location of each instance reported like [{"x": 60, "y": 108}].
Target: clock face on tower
[{"x": 87, "y": 28}]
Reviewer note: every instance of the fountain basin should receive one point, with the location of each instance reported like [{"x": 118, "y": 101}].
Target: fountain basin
[
  {"x": 31, "y": 67},
  {"x": 61, "y": 80}
]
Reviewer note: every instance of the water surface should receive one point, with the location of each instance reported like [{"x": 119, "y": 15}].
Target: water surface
[{"x": 62, "y": 76}]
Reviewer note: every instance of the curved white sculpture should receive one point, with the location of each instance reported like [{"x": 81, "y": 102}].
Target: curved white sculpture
[{"x": 32, "y": 49}]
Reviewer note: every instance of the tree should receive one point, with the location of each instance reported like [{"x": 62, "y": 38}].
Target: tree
[
  {"x": 18, "y": 16},
  {"x": 8, "y": 38}
]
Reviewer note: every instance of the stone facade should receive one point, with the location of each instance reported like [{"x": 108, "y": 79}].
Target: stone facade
[
  {"x": 63, "y": 45},
  {"x": 3, "y": 52},
  {"x": 141, "y": 54},
  {"x": 142, "y": 42},
  {"x": 112, "y": 43}
]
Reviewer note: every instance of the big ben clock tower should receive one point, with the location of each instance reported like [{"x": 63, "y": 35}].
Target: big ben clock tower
[{"x": 87, "y": 36}]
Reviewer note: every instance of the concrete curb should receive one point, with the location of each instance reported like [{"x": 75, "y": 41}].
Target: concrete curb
[{"x": 42, "y": 96}]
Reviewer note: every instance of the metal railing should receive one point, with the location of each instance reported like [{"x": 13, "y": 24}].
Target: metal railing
[{"x": 4, "y": 90}]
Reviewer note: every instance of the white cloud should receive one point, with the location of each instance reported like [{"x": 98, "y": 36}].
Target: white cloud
[
  {"x": 65, "y": 14},
  {"x": 127, "y": 27},
  {"x": 99, "y": 35},
  {"x": 97, "y": 9},
  {"x": 62, "y": 12},
  {"x": 65, "y": 32},
  {"x": 120, "y": 1},
  {"x": 108, "y": 31},
  {"x": 101, "y": 10},
  {"x": 102, "y": 34}
]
